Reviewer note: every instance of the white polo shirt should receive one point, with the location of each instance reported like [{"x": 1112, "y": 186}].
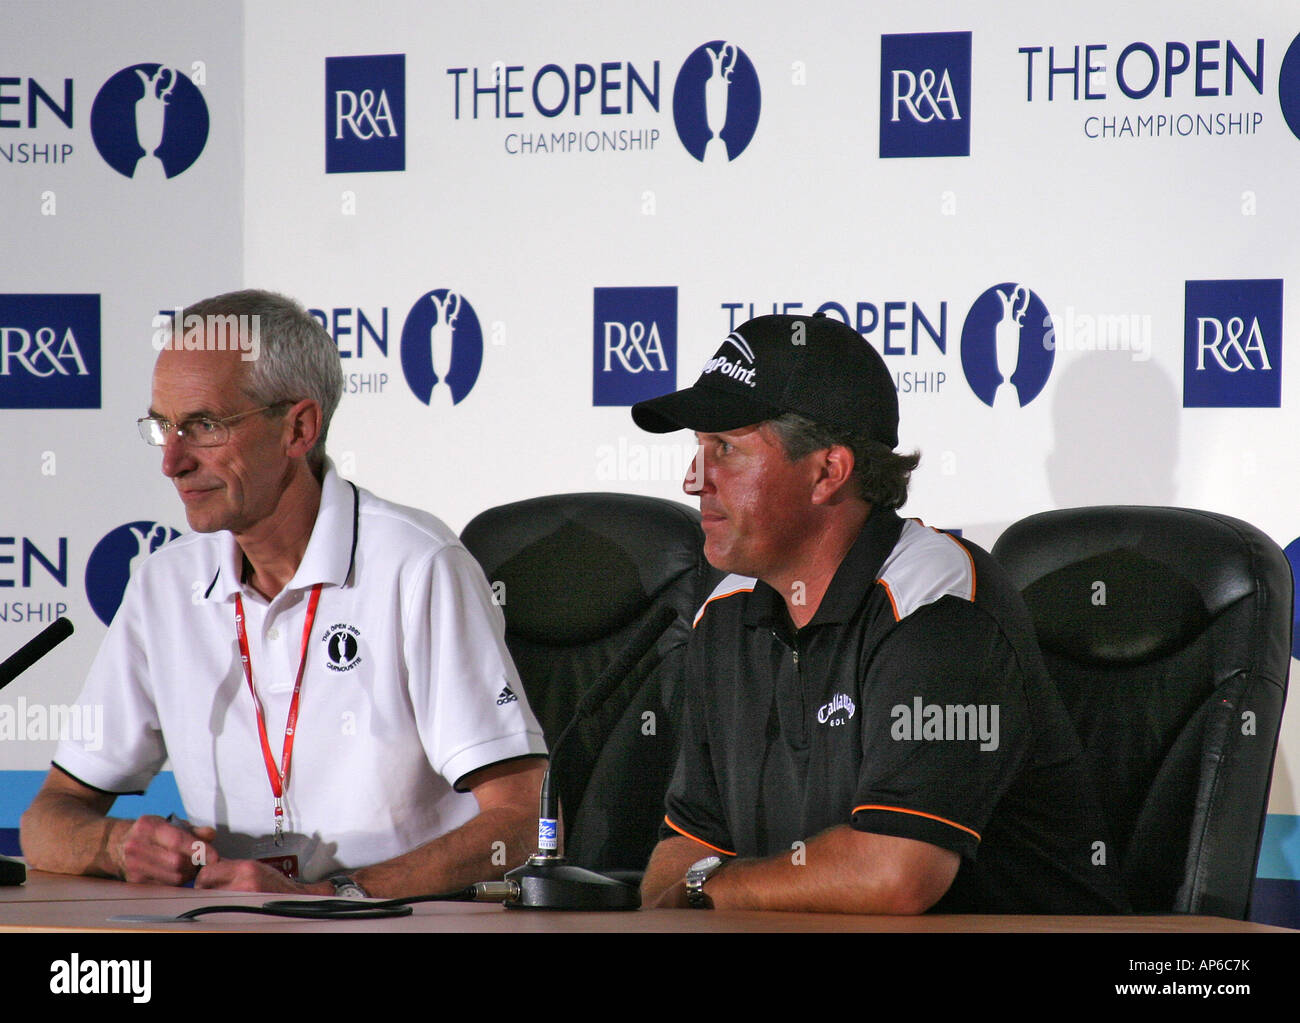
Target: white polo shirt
[{"x": 408, "y": 687}]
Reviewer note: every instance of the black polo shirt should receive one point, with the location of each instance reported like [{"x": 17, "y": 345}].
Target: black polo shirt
[{"x": 915, "y": 703}]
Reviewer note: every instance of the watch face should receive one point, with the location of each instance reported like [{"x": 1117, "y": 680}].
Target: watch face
[
  {"x": 701, "y": 870},
  {"x": 346, "y": 888}
]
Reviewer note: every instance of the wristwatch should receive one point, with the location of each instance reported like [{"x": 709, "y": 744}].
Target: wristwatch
[
  {"x": 346, "y": 888},
  {"x": 699, "y": 872}
]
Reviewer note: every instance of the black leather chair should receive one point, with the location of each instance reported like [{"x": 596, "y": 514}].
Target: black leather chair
[
  {"x": 581, "y": 573},
  {"x": 1168, "y": 633}
]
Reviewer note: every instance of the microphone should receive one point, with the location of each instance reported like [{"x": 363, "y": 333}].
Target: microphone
[
  {"x": 546, "y": 881},
  {"x": 34, "y": 649},
  {"x": 13, "y": 872}
]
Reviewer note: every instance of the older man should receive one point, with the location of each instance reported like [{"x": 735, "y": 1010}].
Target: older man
[
  {"x": 325, "y": 670},
  {"x": 869, "y": 724}
]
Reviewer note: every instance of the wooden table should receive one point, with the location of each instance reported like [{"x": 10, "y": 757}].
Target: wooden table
[
  {"x": 89, "y": 904},
  {"x": 513, "y": 956}
]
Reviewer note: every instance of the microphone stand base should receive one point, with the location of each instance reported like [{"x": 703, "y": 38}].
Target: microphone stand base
[{"x": 550, "y": 883}]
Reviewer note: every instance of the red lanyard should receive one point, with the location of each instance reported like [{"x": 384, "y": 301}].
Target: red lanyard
[{"x": 279, "y": 777}]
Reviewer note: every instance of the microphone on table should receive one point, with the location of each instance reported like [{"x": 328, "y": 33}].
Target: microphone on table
[
  {"x": 13, "y": 871},
  {"x": 34, "y": 649},
  {"x": 546, "y": 881}
]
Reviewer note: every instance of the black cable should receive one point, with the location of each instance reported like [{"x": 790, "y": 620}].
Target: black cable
[
  {"x": 338, "y": 909},
  {"x": 359, "y": 911}
]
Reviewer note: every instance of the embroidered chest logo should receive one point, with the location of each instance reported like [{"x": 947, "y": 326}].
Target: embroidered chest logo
[
  {"x": 342, "y": 647},
  {"x": 838, "y": 712},
  {"x": 506, "y": 696}
]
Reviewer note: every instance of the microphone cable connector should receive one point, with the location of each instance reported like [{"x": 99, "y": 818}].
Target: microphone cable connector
[{"x": 495, "y": 891}]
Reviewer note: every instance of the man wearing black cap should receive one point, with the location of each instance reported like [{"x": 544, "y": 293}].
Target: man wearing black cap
[{"x": 869, "y": 724}]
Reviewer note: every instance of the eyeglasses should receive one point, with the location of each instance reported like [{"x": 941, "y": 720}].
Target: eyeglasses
[{"x": 201, "y": 432}]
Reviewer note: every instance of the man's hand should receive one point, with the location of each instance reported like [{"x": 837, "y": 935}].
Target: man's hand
[
  {"x": 67, "y": 830},
  {"x": 150, "y": 850},
  {"x": 664, "y": 884},
  {"x": 841, "y": 871},
  {"x": 254, "y": 876},
  {"x": 481, "y": 849},
  {"x": 673, "y": 897}
]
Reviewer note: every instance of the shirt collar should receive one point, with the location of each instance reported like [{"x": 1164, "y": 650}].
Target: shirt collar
[
  {"x": 331, "y": 550},
  {"x": 844, "y": 595}
]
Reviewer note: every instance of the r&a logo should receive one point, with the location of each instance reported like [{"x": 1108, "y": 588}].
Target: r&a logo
[
  {"x": 925, "y": 94},
  {"x": 49, "y": 351},
  {"x": 1232, "y": 344},
  {"x": 634, "y": 344},
  {"x": 365, "y": 113}
]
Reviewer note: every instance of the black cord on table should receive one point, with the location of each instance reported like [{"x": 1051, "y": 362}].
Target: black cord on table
[{"x": 336, "y": 909}]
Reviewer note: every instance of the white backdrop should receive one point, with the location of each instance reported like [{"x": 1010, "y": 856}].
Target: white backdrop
[{"x": 1104, "y": 233}]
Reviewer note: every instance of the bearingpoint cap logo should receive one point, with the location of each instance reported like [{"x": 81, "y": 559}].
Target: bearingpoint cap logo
[
  {"x": 115, "y": 559},
  {"x": 1005, "y": 353},
  {"x": 149, "y": 121},
  {"x": 716, "y": 101},
  {"x": 739, "y": 367},
  {"x": 442, "y": 343}
]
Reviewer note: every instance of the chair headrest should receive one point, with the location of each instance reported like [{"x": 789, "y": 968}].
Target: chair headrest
[
  {"x": 1124, "y": 585},
  {"x": 585, "y": 565}
]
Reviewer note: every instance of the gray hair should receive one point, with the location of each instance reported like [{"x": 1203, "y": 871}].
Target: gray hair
[
  {"x": 882, "y": 475},
  {"x": 297, "y": 358}
]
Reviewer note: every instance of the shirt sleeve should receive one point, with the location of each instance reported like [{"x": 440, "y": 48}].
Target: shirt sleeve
[
  {"x": 945, "y": 727},
  {"x": 469, "y": 703},
  {"x": 693, "y": 806},
  {"x": 120, "y": 748}
]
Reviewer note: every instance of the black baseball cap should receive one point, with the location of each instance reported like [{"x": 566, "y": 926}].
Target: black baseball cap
[{"x": 814, "y": 366}]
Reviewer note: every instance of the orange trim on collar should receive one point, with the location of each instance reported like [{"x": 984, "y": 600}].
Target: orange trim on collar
[
  {"x": 962, "y": 548},
  {"x": 700, "y": 614},
  {"x": 890, "y": 594}
]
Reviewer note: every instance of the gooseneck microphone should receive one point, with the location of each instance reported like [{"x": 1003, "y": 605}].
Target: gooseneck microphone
[
  {"x": 546, "y": 881},
  {"x": 34, "y": 649},
  {"x": 12, "y": 871}
]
